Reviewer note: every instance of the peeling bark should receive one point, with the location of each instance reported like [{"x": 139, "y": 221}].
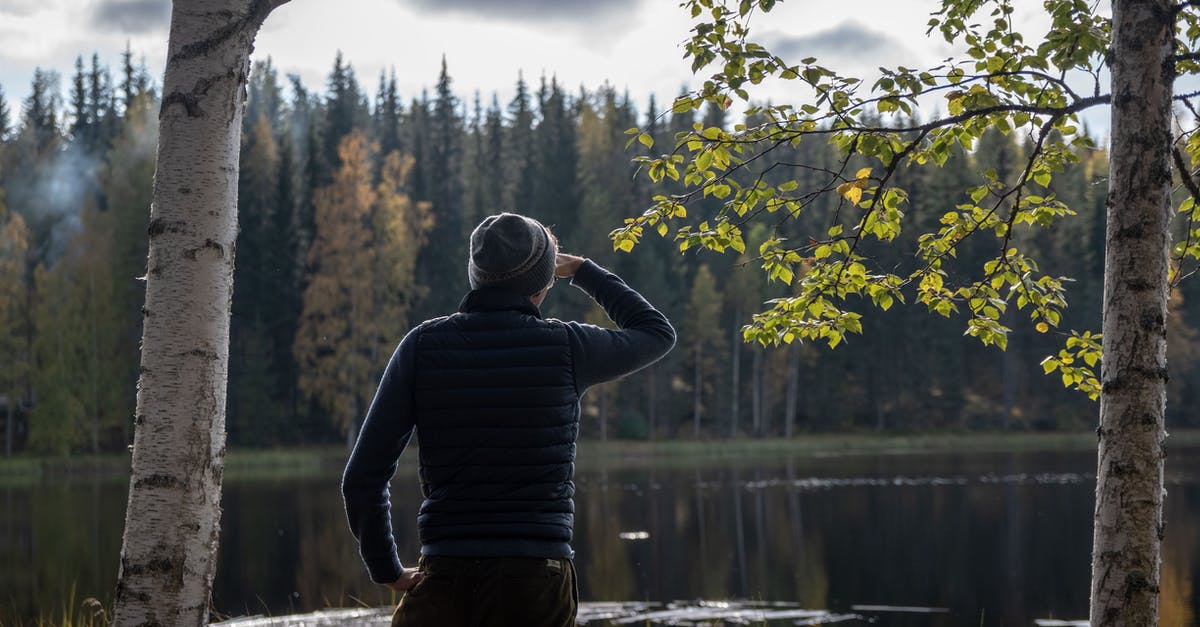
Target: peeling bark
[
  {"x": 1129, "y": 473},
  {"x": 172, "y": 521}
]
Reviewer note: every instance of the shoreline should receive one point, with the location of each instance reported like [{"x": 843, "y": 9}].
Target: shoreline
[{"x": 282, "y": 463}]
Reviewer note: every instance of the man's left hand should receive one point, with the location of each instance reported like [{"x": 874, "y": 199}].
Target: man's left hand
[{"x": 409, "y": 578}]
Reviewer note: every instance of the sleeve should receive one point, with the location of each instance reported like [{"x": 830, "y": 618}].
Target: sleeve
[
  {"x": 385, "y": 432},
  {"x": 644, "y": 335}
]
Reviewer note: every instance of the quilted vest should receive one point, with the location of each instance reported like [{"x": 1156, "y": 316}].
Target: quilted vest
[{"x": 497, "y": 416}]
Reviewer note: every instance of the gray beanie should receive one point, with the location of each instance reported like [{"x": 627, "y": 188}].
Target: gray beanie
[{"x": 512, "y": 252}]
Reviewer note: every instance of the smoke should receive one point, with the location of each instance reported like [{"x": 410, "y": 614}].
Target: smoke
[{"x": 50, "y": 195}]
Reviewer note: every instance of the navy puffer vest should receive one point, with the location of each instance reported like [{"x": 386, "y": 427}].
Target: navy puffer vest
[{"x": 497, "y": 415}]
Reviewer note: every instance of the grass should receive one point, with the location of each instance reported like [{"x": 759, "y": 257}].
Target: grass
[{"x": 324, "y": 461}]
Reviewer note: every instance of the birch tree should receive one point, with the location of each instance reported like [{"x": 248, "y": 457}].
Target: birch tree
[
  {"x": 172, "y": 521},
  {"x": 1004, "y": 82}
]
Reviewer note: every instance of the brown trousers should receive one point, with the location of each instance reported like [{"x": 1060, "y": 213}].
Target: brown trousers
[{"x": 491, "y": 592}]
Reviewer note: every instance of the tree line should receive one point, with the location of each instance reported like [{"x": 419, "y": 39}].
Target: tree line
[{"x": 354, "y": 212}]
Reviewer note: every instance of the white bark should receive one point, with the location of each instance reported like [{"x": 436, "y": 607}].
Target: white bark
[
  {"x": 1129, "y": 477},
  {"x": 172, "y": 520}
]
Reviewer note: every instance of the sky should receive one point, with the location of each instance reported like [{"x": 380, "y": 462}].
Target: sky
[{"x": 634, "y": 45}]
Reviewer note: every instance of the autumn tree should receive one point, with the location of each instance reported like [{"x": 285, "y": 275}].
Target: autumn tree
[
  {"x": 1011, "y": 84},
  {"x": 361, "y": 282}
]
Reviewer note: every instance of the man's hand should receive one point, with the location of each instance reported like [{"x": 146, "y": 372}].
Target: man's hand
[
  {"x": 409, "y": 578},
  {"x": 565, "y": 266}
]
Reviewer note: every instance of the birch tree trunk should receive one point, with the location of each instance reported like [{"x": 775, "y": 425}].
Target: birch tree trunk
[
  {"x": 172, "y": 521},
  {"x": 1129, "y": 475}
]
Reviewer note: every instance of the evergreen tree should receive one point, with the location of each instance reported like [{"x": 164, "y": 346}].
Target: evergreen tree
[
  {"x": 129, "y": 79},
  {"x": 346, "y": 108},
  {"x": 81, "y": 118},
  {"x": 41, "y": 113},
  {"x": 388, "y": 113},
  {"x": 255, "y": 414},
  {"x": 417, "y": 137},
  {"x": 447, "y": 280},
  {"x": 5, "y": 116},
  {"x": 264, "y": 97},
  {"x": 127, "y": 184},
  {"x": 554, "y": 199},
  {"x": 518, "y": 153},
  {"x": 476, "y": 186}
]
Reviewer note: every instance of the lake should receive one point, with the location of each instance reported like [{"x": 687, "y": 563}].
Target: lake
[{"x": 959, "y": 539}]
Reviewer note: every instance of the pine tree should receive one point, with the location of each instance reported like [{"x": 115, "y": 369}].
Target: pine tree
[
  {"x": 447, "y": 280},
  {"x": 41, "y": 113},
  {"x": 518, "y": 152},
  {"x": 129, "y": 79},
  {"x": 388, "y": 113},
  {"x": 346, "y": 108},
  {"x": 417, "y": 137},
  {"x": 5, "y": 116},
  {"x": 101, "y": 111},
  {"x": 476, "y": 186},
  {"x": 255, "y": 415},
  {"x": 554, "y": 199},
  {"x": 81, "y": 118}
]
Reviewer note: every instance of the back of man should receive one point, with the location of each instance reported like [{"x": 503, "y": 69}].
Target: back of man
[{"x": 493, "y": 391}]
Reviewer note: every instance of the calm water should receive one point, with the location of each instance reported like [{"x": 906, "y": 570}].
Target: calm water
[{"x": 996, "y": 539}]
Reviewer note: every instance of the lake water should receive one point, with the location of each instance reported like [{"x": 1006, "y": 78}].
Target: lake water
[{"x": 991, "y": 539}]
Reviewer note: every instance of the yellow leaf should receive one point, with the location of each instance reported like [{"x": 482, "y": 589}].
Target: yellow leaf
[
  {"x": 863, "y": 173},
  {"x": 1042, "y": 327},
  {"x": 662, "y": 229},
  {"x": 854, "y": 194},
  {"x": 625, "y": 245}
]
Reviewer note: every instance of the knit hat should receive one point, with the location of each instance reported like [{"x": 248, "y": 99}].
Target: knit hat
[{"x": 512, "y": 252}]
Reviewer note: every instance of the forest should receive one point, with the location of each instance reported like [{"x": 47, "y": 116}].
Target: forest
[{"x": 354, "y": 213}]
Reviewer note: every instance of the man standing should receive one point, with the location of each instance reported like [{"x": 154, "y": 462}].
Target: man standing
[{"x": 493, "y": 390}]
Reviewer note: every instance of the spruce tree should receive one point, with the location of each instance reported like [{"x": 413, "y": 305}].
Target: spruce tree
[
  {"x": 388, "y": 112},
  {"x": 128, "y": 85},
  {"x": 5, "y": 116},
  {"x": 518, "y": 152},
  {"x": 346, "y": 108},
  {"x": 447, "y": 280},
  {"x": 555, "y": 199},
  {"x": 81, "y": 118}
]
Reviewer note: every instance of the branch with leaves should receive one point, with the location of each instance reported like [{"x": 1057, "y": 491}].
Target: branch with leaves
[{"x": 1002, "y": 84}]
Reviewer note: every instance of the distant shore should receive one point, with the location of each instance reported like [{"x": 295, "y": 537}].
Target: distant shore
[{"x": 281, "y": 463}]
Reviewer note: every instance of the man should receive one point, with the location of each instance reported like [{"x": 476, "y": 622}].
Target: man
[{"x": 493, "y": 391}]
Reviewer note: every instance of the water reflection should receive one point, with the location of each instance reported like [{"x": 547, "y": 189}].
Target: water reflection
[{"x": 994, "y": 539}]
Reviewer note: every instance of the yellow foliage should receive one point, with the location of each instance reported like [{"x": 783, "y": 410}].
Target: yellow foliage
[{"x": 361, "y": 282}]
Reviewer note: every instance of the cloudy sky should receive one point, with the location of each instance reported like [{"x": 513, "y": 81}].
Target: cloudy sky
[{"x": 632, "y": 44}]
